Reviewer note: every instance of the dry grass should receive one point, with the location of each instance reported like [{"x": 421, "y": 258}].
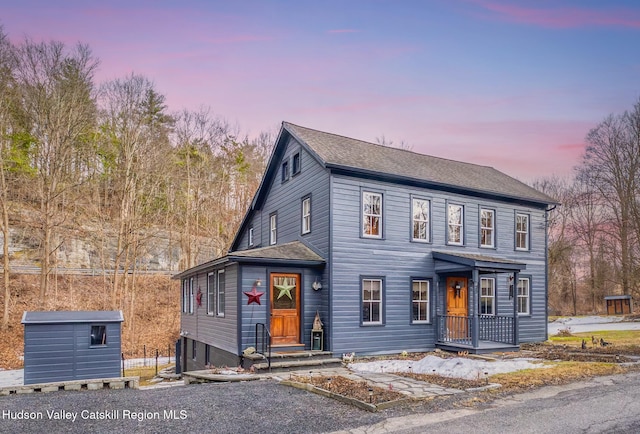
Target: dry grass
[
  {"x": 559, "y": 373},
  {"x": 353, "y": 389},
  {"x": 155, "y": 321}
]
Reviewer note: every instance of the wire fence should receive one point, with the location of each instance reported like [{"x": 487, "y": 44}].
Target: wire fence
[{"x": 152, "y": 358}]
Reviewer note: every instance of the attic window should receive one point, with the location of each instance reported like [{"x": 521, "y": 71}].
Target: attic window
[
  {"x": 98, "y": 335},
  {"x": 296, "y": 163},
  {"x": 285, "y": 171}
]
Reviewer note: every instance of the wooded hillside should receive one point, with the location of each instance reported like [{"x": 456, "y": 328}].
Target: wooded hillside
[
  {"x": 155, "y": 323},
  {"x": 107, "y": 163}
]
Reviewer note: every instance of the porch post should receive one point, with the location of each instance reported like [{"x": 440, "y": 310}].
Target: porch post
[
  {"x": 437, "y": 308},
  {"x": 516, "y": 328},
  {"x": 475, "y": 305}
]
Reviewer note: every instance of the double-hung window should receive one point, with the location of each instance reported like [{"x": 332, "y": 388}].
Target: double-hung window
[
  {"x": 421, "y": 230},
  {"x": 211, "y": 285},
  {"x": 522, "y": 232},
  {"x": 487, "y": 296},
  {"x": 371, "y": 214},
  {"x": 455, "y": 218},
  {"x": 487, "y": 228},
  {"x": 220, "y": 294},
  {"x": 296, "y": 164},
  {"x": 420, "y": 301},
  {"x": 185, "y": 296},
  {"x": 191, "y": 295},
  {"x": 306, "y": 215},
  {"x": 524, "y": 286},
  {"x": 371, "y": 301},
  {"x": 273, "y": 229}
]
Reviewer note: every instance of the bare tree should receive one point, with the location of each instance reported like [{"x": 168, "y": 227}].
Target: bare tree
[
  {"x": 7, "y": 65},
  {"x": 56, "y": 90},
  {"x": 134, "y": 143},
  {"x": 611, "y": 163},
  {"x": 588, "y": 219}
]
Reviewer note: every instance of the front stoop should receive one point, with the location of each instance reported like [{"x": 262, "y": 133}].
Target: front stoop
[{"x": 282, "y": 361}]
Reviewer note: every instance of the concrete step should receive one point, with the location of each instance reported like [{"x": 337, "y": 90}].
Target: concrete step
[{"x": 280, "y": 365}]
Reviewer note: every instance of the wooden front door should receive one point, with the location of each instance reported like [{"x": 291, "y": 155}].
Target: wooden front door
[
  {"x": 457, "y": 308},
  {"x": 285, "y": 308}
]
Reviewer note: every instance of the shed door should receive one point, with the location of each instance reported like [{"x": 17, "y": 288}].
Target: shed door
[
  {"x": 285, "y": 308},
  {"x": 457, "y": 308}
]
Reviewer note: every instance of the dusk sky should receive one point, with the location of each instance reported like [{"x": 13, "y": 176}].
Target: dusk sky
[{"x": 511, "y": 84}]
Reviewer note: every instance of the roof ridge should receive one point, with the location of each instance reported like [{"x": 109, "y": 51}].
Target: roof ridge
[{"x": 388, "y": 147}]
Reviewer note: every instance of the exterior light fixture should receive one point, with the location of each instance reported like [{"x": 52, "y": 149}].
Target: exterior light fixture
[{"x": 457, "y": 287}]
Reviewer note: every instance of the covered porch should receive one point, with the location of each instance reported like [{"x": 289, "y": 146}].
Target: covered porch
[{"x": 475, "y": 311}]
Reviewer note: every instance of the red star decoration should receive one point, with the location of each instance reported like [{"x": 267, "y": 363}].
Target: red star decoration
[{"x": 254, "y": 295}]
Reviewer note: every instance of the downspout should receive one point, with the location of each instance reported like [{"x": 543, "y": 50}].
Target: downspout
[{"x": 546, "y": 271}]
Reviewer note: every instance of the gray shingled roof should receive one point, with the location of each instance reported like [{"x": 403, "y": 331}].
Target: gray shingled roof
[
  {"x": 336, "y": 150},
  {"x": 294, "y": 250},
  {"x": 51, "y": 317}
]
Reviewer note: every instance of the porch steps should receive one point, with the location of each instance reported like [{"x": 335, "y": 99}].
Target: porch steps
[
  {"x": 484, "y": 347},
  {"x": 283, "y": 361}
]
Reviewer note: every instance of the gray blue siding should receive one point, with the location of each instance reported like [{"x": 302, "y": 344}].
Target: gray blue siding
[
  {"x": 285, "y": 199},
  {"x": 213, "y": 330},
  {"x": 61, "y": 352},
  {"x": 396, "y": 259}
]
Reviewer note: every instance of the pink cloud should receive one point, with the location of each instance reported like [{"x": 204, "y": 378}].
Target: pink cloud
[
  {"x": 563, "y": 17},
  {"x": 337, "y": 31}
]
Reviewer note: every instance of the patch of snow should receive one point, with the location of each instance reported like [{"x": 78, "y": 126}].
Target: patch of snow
[{"x": 457, "y": 367}]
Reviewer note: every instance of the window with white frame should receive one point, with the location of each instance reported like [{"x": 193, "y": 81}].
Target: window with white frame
[
  {"x": 185, "y": 296},
  {"x": 487, "y": 296},
  {"x": 191, "y": 295},
  {"x": 371, "y": 214},
  {"x": 251, "y": 237},
  {"x": 211, "y": 285},
  {"x": 420, "y": 301},
  {"x": 522, "y": 231},
  {"x": 306, "y": 215},
  {"x": 273, "y": 229},
  {"x": 371, "y": 301},
  {"x": 455, "y": 217},
  {"x": 524, "y": 285},
  {"x": 421, "y": 230},
  {"x": 220, "y": 294},
  {"x": 487, "y": 228}
]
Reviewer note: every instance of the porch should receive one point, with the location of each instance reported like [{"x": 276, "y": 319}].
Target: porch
[
  {"x": 468, "y": 297},
  {"x": 476, "y": 334}
]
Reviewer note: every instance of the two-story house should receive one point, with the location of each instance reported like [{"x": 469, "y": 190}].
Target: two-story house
[{"x": 395, "y": 250}]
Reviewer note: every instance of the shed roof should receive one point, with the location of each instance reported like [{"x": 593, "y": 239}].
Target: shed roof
[
  {"x": 292, "y": 253},
  {"x": 480, "y": 262},
  {"x": 66, "y": 316},
  {"x": 343, "y": 152}
]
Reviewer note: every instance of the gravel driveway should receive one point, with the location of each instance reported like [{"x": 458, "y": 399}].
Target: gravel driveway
[{"x": 251, "y": 407}]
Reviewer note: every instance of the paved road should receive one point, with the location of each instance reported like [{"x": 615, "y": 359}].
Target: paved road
[
  {"x": 602, "y": 405},
  {"x": 591, "y": 324}
]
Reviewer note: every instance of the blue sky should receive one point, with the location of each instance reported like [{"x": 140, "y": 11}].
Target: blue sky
[{"x": 511, "y": 84}]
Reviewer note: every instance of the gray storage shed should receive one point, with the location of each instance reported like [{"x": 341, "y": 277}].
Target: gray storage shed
[{"x": 71, "y": 345}]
